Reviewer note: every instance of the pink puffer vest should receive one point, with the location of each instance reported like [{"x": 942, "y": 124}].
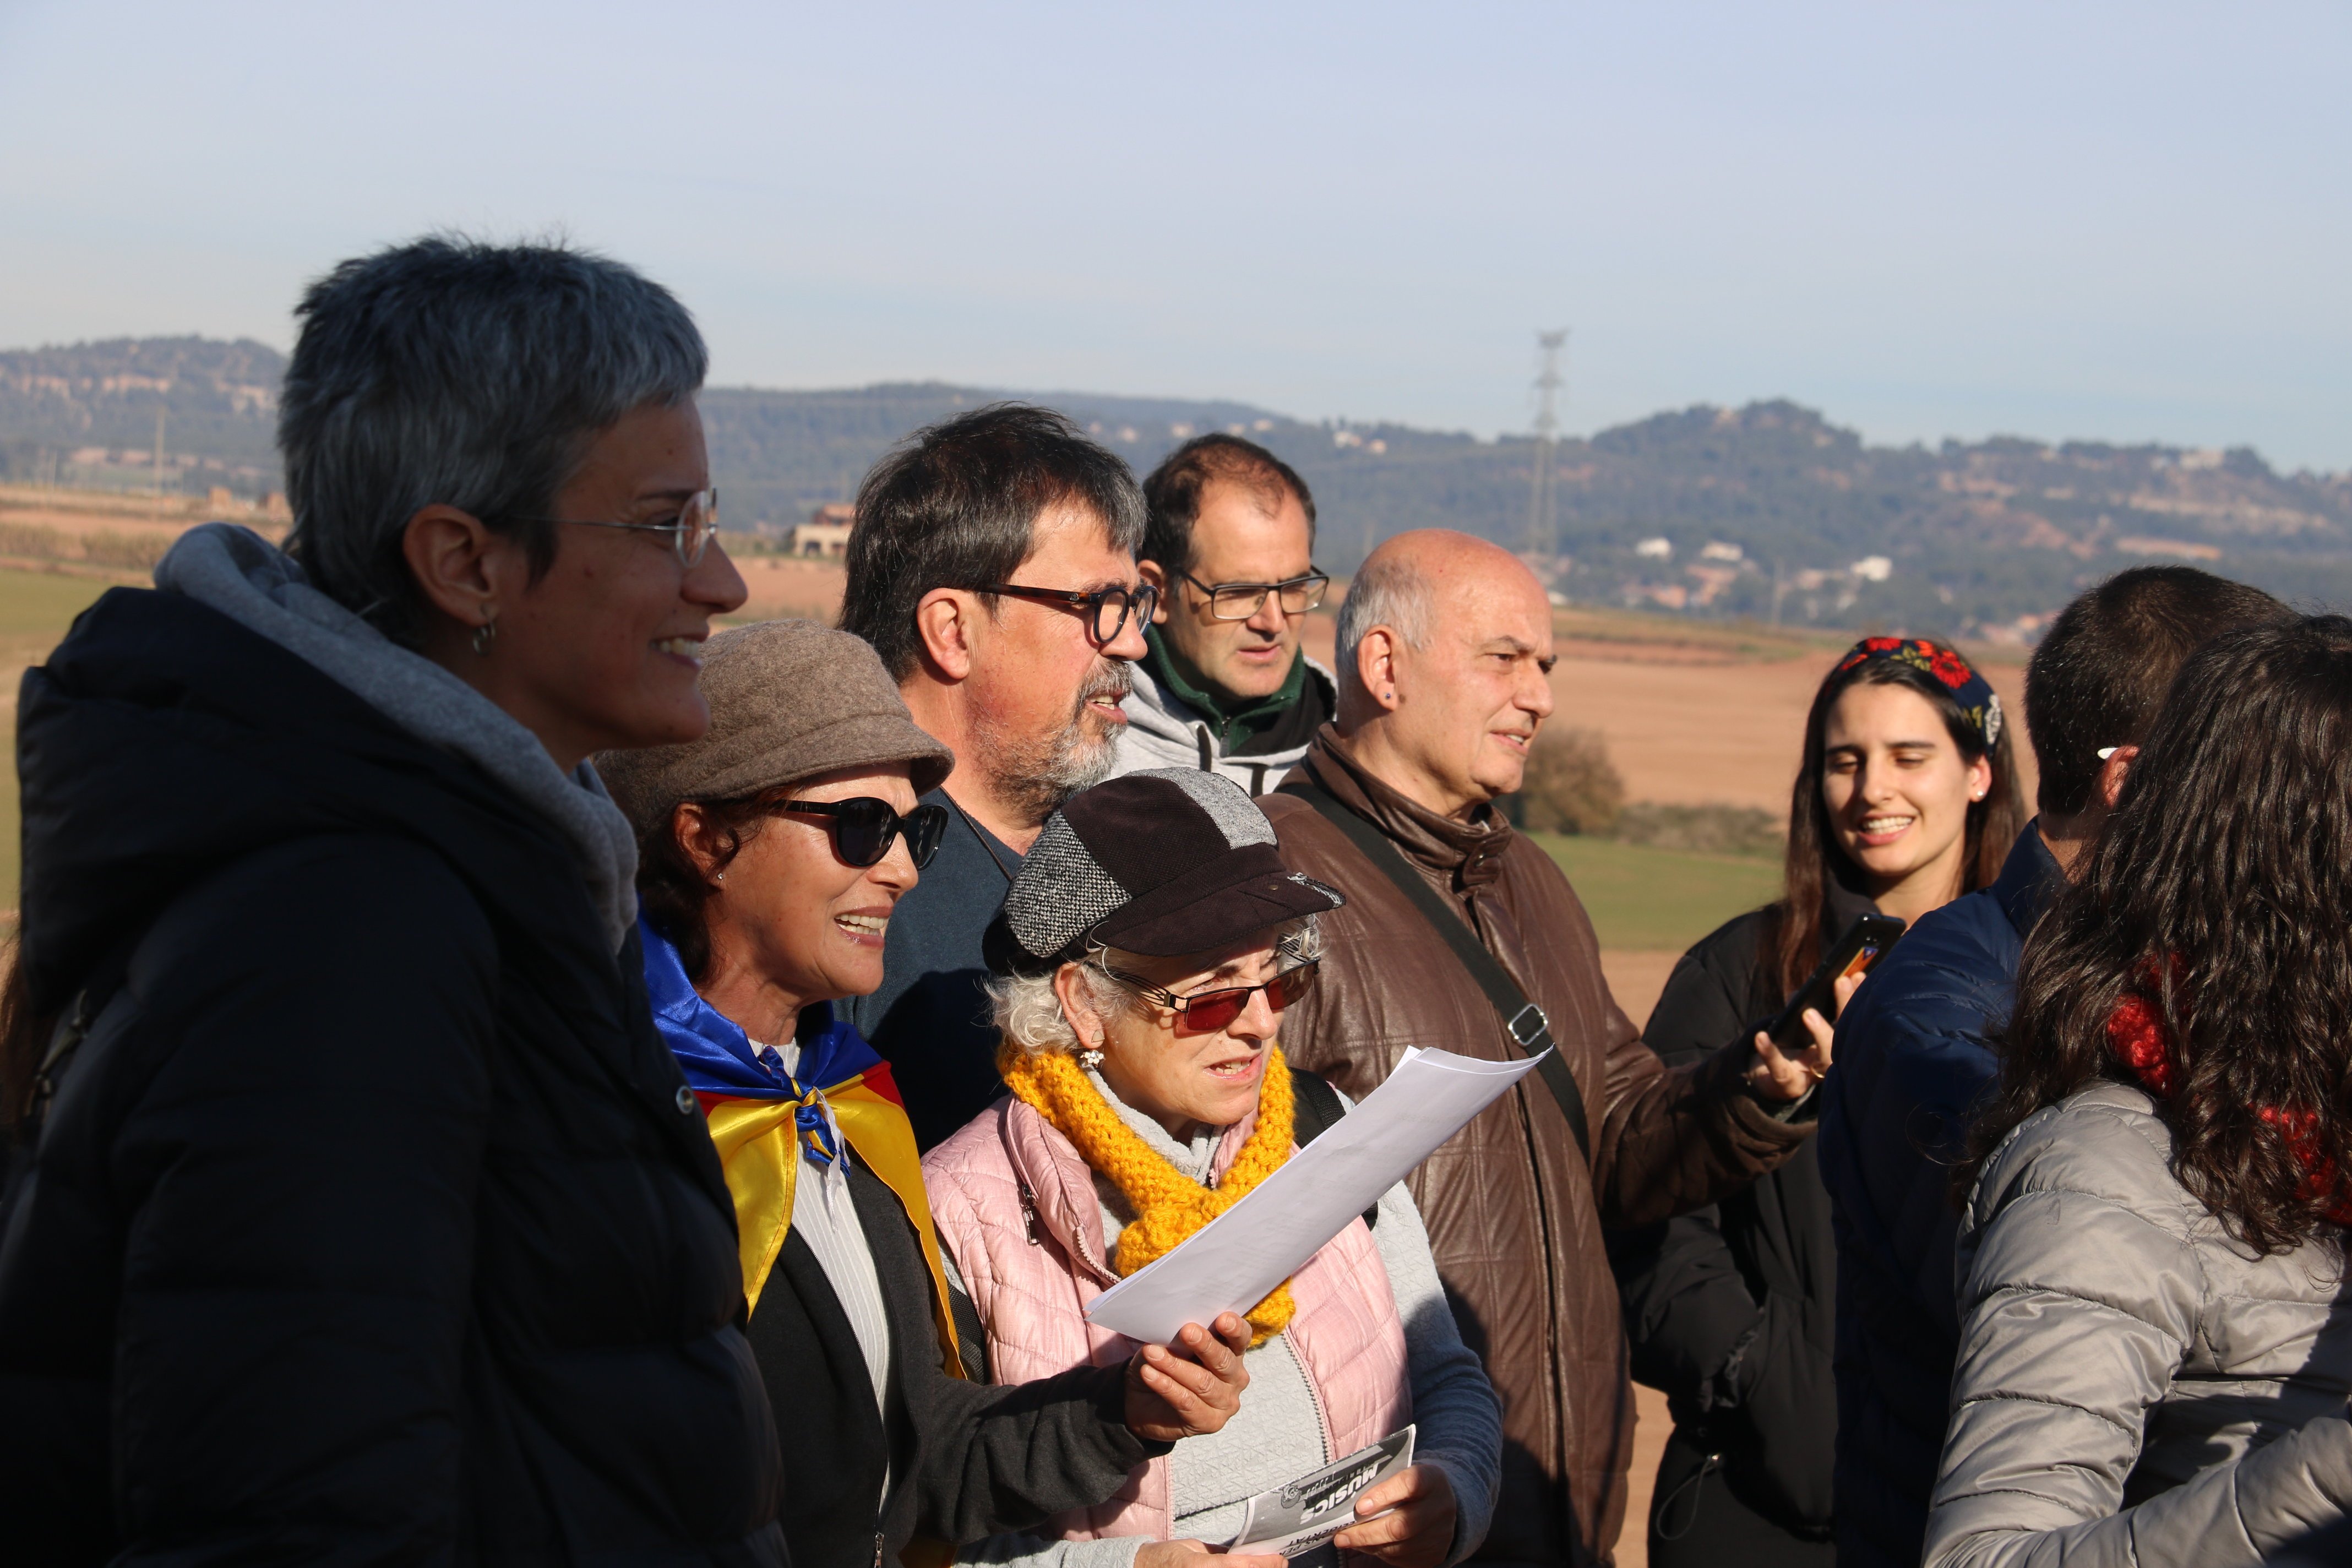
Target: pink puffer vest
[{"x": 1014, "y": 1204}]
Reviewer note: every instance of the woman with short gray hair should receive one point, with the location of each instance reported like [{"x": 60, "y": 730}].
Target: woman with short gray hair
[{"x": 355, "y": 1208}]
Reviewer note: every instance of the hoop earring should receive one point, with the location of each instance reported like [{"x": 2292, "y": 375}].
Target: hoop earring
[{"x": 485, "y": 635}]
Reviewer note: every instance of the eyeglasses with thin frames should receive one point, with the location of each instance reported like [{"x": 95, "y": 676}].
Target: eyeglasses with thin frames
[
  {"x": 1240, "y": 601},
  {"x": 690, "y": 531},
  {"x": 1138, "y": 602}
]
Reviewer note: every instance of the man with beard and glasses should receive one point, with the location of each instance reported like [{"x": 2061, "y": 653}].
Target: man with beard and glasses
[{"x": 993, "y": 567}]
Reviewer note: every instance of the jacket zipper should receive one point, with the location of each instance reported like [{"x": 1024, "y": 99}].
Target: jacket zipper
[{"x": 1315, "y": 1394}]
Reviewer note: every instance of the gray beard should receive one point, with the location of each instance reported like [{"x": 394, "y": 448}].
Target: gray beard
[{"x": 1035, "y": 774}]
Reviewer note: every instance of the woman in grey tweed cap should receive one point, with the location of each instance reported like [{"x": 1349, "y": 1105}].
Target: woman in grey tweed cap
[{"x": 1145, "y": 954}]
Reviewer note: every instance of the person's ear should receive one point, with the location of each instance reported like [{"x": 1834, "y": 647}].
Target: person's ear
[
  {"x": 465, "y": 571},
  {"x": 1150, "y": 573},
  {"x": 1376, "y": 666},
  {"x": 1079, "y": 1009},
  {"x": 2109, "y": 788},
  {"x": 1981, "y": 777},
  {"x": 945, "y": 620},
  {"x": 701, "y": 839}
]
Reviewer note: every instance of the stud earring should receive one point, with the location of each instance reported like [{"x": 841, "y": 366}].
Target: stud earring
[{"x": 1091, "y": 1058}]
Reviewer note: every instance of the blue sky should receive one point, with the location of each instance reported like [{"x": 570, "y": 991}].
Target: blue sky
[{"x": 2105, "y": 221}]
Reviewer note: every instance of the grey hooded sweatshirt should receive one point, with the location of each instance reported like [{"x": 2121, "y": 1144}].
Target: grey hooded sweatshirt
[
  {"x": 252, "y": 582},
  {"x": 2134, "y": 1388},
  {"x": 1165, "y": 731}
]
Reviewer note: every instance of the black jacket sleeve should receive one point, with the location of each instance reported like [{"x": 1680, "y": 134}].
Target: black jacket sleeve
[
  {"x": 304, "y": 1058},
  {"x": 994, "y": 1457},
  {"x": 1007, "y": 1457},
  {"x": 1727, "y": 1308},
  {"x": 1690, "y": 1318}
]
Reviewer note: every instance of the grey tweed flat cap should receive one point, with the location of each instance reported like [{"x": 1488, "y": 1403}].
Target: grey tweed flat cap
[
  {"x": 1164, "y": 862},
  {"x": 789, "y": 700}
]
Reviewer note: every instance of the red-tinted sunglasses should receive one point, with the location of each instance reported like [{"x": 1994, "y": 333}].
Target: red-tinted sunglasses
[{"x": 1205, "y": 1012}]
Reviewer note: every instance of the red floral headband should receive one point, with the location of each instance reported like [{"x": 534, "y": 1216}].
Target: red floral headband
[{"x": 1975, "y": 697}]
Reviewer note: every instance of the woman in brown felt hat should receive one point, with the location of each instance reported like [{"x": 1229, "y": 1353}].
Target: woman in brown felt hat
[{"x": 773, "y": 851}]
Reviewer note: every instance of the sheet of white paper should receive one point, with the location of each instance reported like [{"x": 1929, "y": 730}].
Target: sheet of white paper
[{"x": 1229, "y": 1264}]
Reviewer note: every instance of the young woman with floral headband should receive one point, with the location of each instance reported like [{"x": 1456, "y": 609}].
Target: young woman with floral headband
[{"x": 1907, "y": 796}]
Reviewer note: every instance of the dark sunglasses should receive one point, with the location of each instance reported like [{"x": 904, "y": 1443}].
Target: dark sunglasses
[
  {"x": 1204, "y": 1012},
  {"x": 864, "y": 826}
]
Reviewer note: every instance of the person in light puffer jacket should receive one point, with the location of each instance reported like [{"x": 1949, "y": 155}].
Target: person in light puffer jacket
[
  {"x": 1145, "y": 956},
  {"x": 2156, "y": 1345}
]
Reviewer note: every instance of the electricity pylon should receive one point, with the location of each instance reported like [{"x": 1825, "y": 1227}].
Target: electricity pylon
[{"x": 1541, "y": 540}]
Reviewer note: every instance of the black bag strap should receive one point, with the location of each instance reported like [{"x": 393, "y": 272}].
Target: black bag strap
[
  {"x": 1316, "y": 1109},
  {"x": 1523, "y": 1021}
]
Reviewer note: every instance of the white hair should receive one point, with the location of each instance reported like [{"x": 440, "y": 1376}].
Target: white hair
[
  {"x": 1391, "y": 591},
  {"x": 1030, "y": 1016}
]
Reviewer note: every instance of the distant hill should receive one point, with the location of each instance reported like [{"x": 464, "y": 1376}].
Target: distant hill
[{"x": 1753, "y": 511}]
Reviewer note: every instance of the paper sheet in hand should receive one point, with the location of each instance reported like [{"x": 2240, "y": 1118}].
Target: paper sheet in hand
[
  {"x": 1229, "y": 1264},
  {"x": 1313, "y": 1509}
]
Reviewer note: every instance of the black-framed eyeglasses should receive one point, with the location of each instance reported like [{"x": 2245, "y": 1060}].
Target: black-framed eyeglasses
[
  {"x": 690, "y": 531},
  {"x": 1204, "y": 1012},
  {"x": 863, "y": 827},
  {"x": 1240, "y": 601},
  {"x": 1138, "y": 602}
]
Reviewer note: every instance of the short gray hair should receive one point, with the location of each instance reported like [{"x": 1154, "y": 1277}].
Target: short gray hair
[
  {"x": 454, "y": 371},
  {"x": 1388, "y": 592},
  {"x": 1029, "y": 1016}
]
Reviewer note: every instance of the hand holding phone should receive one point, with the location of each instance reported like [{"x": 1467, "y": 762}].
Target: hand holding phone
[{"x": 1793, "y": 1051}]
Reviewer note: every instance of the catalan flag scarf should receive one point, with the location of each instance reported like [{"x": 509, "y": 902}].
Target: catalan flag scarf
[{"x": 763, "y": 1118}]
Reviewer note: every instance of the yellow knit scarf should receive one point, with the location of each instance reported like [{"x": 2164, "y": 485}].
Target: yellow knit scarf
[{"x": 1169, "y": 1204}]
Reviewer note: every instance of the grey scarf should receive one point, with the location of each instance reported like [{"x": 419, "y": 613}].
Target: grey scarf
[{"x": 252, "y": 582}]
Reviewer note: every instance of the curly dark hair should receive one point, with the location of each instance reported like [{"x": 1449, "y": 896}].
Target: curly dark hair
[
  {"x": 1793, "y": 928},
  {"x": 2219, "y": 890}
]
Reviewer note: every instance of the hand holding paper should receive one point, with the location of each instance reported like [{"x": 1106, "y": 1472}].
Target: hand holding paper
[{"x": 1231, "y": 1263}]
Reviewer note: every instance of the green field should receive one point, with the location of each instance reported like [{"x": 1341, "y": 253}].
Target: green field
[
  {"x": 37, "y": 606},
  {"x": 1659, "y": 900}
]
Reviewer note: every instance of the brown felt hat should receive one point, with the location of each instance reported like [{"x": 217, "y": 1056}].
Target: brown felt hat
[{"x": 789, "y": 700}]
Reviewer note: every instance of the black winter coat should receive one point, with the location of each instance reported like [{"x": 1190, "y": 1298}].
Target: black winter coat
[
  {"x": 1731, "y": 1309},
  {"x": 962, "y": 1460},
  {"x": 373, "y": 1221}
]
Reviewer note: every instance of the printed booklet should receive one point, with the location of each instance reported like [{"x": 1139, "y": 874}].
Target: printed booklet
[{"x": 1313, "y": 1509}]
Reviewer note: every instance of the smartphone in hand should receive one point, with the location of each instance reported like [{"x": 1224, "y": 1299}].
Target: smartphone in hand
[{"x": 1864, "y": 944}]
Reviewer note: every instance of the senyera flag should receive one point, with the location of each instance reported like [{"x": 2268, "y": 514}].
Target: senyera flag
[{"x": 763, "y": 1118}]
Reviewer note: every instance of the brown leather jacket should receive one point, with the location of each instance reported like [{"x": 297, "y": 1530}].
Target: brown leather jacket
[{"x": 1514, "y": 1216}]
